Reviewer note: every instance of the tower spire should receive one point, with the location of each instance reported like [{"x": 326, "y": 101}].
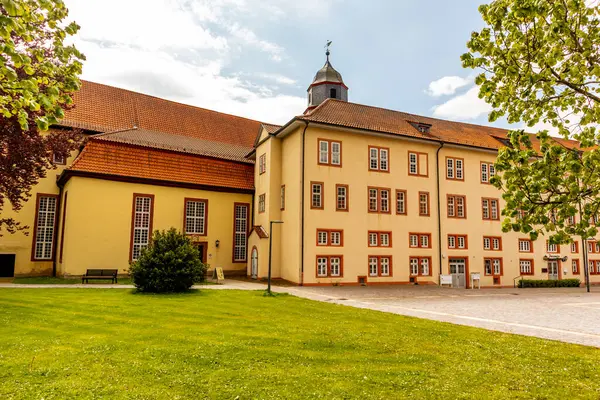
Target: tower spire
[
  {"x": 328, "y": 83},
  {"x": 327, "y": 52}
]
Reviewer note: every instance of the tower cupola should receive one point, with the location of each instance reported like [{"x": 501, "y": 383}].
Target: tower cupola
[{"x": 328, "y": 83}]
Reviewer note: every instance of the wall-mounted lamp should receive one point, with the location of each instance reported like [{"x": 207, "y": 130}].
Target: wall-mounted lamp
[{"x": 217, "y": 242}]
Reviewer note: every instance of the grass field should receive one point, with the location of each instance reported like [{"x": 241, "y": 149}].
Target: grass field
[{"x": 117, "y": 344}]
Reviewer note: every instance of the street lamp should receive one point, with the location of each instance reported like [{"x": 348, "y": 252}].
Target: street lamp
[{"x": 270, "y": 247}]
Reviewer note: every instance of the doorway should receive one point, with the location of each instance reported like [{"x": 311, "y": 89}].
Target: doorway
[
  {"x": 458, "y": 270},
  {"x": 7, "y": 265},
  {"x": 254, "y": 263},
  {"x": 203, "y": 250},
  {"x": 553, "y": 270}
]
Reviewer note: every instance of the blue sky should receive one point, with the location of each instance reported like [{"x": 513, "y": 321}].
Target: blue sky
[{"x": 255, "y": 58}]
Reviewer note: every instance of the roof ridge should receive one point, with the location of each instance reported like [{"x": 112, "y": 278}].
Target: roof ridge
[{"x": 174, "y": 102}]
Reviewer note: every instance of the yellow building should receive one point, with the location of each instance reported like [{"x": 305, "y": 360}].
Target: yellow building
[{"x": 364, "y": 195}]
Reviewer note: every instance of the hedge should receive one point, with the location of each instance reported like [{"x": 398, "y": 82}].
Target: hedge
[{"x": 543, "y": 283}]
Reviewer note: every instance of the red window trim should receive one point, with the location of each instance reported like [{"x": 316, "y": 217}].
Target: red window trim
[
  {"x": 150, "y": 225},
  {"x": 578, "y": 272},
  {"x": 329, "y": 257},
  {"x": 501, "y": 266},
  {"x": 205, "y": 201},
  {"x": 455, "y": 196},
  {"x": 418, "y": 174},
  {"x": 594, "y": 246},
  {"x": 552, "y": 252},
  {"x": 489, "y": 200},
  {"x": 420, "y": 258},
  {"x": 488, "y": 172},
  {"x": 379, "y": 190},
  {"x": 525, "y": 240},
  {"x": 379, "y": 239},
  {"x": 329, "y": 231},
  {"x": 339, "y": 185},
  {"x": 35, "y": 221},
  {"x": 262, "y": 164},
  {"x": 248, "y": 216},
  {"x": 454, "y": 168},
  {"x": 405, "y": 201},
  {"x": 379, "y": 275},
  {"x": 491, "y": 241},
  {"x": 419, "y": 234},
  {"x": 456, "y": 236},
  {"x": 378, "y": 169},
  {"x": 532, "y": 266},
  {"x": 576, "y": 243},
  {"x": 264, "y": 196},
  {"x": 595, "y": 264},
  {"x": 428, "y": 204},
  {"x": 322, "y": 195},
  {"x": 328, "y": 163}
]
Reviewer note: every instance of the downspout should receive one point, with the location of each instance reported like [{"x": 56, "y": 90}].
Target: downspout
[
  {"x": 56, "y": 223},
  {"x": 302, "y": 205},
  {"x": 439, "y": 205}
]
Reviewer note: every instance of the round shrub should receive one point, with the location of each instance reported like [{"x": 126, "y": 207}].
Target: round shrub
[{"x": 170, "y": 264}]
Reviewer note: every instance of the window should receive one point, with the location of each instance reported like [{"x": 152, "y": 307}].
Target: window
[
  {"x": 457, "y": 241},
  {"x": 489, "y": 209},
  {"x": 316, "y": 195},
  {"x": 58, "y": 160},
  {"x": 594, "y": 266},
  {"x": 45, "y": 221},
  {"x": 379, "y": 159},
  {"x": 525, "y": 246},
  {"x": 380, "y": 265},
  {"x": 424, "y": 203},
  {"x": 455, "y": 169},
  {"x": 492, "y": 266},
  {"x": 341, "y": 203},
  {"x": 526, "y": 267},
  {"x": 282, "y": 198},
  {"x": 420, "y": 266},
  {"x": 420, "y": 240},
  {"x": 240, "y": 231},
  {"x": 400, "y": 202},
  {"x": 571, "y": 220},
  {"x": 380, "y": 239},
  {"x": 575, "y": 267},
  {"x": 493, "y": 243},
  {"x": 456, "y": 206},
  {"x": 262, "y": 164},
  {"x": 575, "y": 247},
  {"x": 379, "y": 200},
  {"x": 418, "y": 164},
  {"x": 333, "y": 93},
  {"x": 330, "y": 153},
  {"x": 487, "y": 172},
  {"x": 330, "y": 266},
  {"x": 195, "y": 216},
  {"x": 141, "y": 230},
  {"x": 552, "y": 248},
  {"x": 261, "y": 203},
  {"x": 330, "y": 237},
  {"x": 593, "y": 246}
]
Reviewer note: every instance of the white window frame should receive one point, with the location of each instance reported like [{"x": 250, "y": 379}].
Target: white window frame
[
  {"x": 240, "y": 244},
  {"x": 45, "y": 224},
  {"x": 195, "y": 216},
  {"x": 142, "y": 221},
  {"x": 524, "y": 246}
]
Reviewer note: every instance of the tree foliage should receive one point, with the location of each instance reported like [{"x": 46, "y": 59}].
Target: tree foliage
[
  {"x": 540, "y": 62},
  {"x": 38, "y": 74},
  {"x": 170, "y": 264}
]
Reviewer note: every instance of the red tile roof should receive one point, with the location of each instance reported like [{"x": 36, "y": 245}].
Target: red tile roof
[
  {"x": 102, "y": 108},
  {"x": 113, "y": 160}
]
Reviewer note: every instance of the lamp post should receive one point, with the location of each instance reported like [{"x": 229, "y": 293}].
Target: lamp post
[{"x": 270, "y": 247}]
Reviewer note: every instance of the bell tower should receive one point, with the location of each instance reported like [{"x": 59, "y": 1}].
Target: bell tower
[{"x": 328, "y": 83}]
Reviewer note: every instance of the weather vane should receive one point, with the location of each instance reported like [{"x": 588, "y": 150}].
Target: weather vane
[{"x": 327, "y": 52}]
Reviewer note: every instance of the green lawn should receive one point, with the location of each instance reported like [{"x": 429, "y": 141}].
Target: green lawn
[
  {"x": 116, "y": 344},
  {"x": 47, "y": 280}
]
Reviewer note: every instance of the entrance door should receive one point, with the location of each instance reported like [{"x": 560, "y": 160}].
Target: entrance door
[
  {"x": 553, "y": 270},
  {"x": 254, "y": 258},
  {"x": 458, "y": 268},
  {"x": 203, "y": 250}
]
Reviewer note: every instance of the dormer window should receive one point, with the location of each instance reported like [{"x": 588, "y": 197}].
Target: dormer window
[
  {"x": 421, "y": 126},
  {"x": 333, "y": 93}
]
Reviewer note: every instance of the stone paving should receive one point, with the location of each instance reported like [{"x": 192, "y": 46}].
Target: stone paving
[{"x": 565, "y": 314}]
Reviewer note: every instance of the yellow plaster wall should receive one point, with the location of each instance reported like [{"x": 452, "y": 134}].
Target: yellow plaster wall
[{"x": 98, "y": 222}]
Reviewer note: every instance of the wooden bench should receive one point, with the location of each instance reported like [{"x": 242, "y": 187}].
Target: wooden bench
[{"x": 100, "y": 274}]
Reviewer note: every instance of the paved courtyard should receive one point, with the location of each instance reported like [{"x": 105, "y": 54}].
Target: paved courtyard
[{"x": 565, "y": 314}]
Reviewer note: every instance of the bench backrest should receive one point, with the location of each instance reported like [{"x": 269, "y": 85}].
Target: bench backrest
[{"x": 101, "y": 272}]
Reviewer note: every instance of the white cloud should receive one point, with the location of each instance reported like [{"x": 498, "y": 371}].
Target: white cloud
[
  {"x": 447, "y": 85},
  {"x": 463, "y": 107}
]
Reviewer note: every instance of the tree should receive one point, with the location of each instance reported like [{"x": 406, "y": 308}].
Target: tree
[
  {"x": 541, "y": 64},
  {"x": 170, "y": 264},
  {"x": 38, "y": 74}
]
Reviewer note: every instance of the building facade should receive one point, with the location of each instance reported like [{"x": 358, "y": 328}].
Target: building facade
[{"x": 360, "y": 195}]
